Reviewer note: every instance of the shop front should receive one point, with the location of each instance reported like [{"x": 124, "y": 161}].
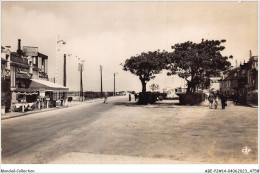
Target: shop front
[
  {"x": 50, "y": 94},
  {"x": 24, "y": 99}
]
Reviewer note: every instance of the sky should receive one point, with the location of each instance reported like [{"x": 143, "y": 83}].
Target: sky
[{"x": 108, "y": 33}]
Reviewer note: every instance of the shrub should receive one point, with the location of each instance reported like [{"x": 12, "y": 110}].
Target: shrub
[
  {"x": 191, "y": 98},
  {"x": 149, "y": 97}
]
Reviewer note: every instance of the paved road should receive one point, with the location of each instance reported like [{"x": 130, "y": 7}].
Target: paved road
[
  {"x": 122, "y": 132},
  {"x": 21, "y": 137}
]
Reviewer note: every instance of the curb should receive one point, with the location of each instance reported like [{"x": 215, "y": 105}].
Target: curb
[
  {"x": 51, "y": 109},
  {"x": 30, "y": 113}
]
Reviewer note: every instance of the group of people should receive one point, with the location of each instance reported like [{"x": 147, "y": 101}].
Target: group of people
[{"x": 213, "y": 100}]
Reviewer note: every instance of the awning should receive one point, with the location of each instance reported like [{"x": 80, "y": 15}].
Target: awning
[
  {"x": 46, "y": 85},
  {"x": 27, "y": 91},
  {"x": 24, "y": 90}
]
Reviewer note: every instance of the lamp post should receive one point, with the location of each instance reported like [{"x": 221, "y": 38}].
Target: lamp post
[
  {"x": 81, "y": 68},
  {"x": 115, "y": 84},
  {"x": 58, "y": 44}
]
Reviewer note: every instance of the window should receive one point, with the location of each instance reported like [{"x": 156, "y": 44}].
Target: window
[
  {"x": 8, "y": 62},
  {"x": 39, "y": 62},
  {"x": 43, "y": 65}
]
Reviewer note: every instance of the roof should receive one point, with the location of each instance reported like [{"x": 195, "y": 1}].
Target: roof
[
  {"x": 3, "y": 60},
  {"x": 47, "y": 85},
  {"x": 42, "y": 55},
  {"x": 5, "y": 49}
]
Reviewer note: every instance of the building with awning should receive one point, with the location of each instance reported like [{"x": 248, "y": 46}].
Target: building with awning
[
  {"x": 50, "y": 93},
  {"x": 29, "y": 82}
]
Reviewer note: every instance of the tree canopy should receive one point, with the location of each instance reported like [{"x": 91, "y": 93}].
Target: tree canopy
[
  {"x": 195, "y": 62},
  {"x": 146, "y": 65}
]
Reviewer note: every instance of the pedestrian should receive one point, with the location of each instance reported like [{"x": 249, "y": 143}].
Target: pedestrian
[
  {"x": 129, "y": 97},
  {"x": 135, "y": 96},
  {"x": 237, "y": 98},
  {"x": 215, "y": 103},
  {"x": 223, "y": 99},
  {"x": 105, "y": 98},
  {"x": 211, "y": 99}
]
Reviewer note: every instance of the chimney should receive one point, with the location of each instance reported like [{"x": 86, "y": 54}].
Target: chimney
[{"x": 19, "y": 51}]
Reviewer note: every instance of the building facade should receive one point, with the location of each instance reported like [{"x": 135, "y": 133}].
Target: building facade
[
  {"x": 241, "y": 83},
  {"x": 5, "y": 80},
  {"x": 26, "y": 70}
]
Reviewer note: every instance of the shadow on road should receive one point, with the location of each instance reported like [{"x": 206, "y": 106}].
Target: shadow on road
[
  {"x": 160, "y": 104},
  {"x": 127, "y": 104}
]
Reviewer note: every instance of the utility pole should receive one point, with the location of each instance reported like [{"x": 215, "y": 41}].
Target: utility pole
[
  {"x": 64, "y": 71},
  {"x": 101, "y": 80},
  {"x": 64, "y": 82},
  {"x": 115, "y": 84},
  {"x": 81, "y": 68}
]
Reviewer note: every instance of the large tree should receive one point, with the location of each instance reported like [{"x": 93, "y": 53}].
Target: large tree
[
  {"x": 196, "y": 62},
  {"x": 146, "y": 65}
]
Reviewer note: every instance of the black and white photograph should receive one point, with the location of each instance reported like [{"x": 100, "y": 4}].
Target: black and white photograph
[{"x": 129, "y": 82}]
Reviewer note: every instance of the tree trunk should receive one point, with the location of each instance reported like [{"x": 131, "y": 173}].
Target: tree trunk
[
  {"x": 143, "y": 86},
  {"x": 188, "y": 87},
  {"x": 191, "y": 85}
]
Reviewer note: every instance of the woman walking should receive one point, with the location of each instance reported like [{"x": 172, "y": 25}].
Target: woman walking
[{"x": 211, "y": 98}]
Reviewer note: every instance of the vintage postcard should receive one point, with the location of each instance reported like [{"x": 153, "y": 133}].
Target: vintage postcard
[{"x": 129, "y": 82}]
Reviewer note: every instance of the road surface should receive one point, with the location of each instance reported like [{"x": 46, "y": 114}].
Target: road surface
[
  {"x": 123, "y": 132},
  {"x": 24, "y": 136}
]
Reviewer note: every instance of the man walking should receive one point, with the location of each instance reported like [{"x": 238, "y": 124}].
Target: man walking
[{"x": 223, "y": 99}]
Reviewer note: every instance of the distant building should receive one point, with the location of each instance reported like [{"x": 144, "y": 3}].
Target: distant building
[
  {"x": 180, "y": 90},
  {"x": 241, "y": 83},
  {"x": 170, "y": 92},
  {"x": 215, "y": 83}
]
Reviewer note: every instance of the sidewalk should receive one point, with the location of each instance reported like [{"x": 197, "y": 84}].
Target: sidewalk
[{"x": 70, "y": 104}]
